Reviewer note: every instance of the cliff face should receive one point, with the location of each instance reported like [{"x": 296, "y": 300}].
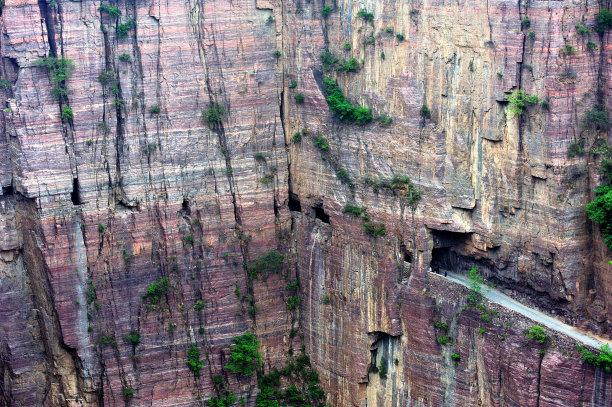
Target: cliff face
[{"x": 140, "y": 186}]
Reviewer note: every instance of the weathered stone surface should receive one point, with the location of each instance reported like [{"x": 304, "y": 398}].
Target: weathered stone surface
[{"x": 94, "y": 211}]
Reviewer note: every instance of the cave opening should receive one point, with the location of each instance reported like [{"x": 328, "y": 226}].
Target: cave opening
[
  {"x": 7, "y": 190},
  {"x": 445, "y": 253},
  {"x": 320, "y": 214},
  {"x": 75, "y": 195},
  {"x": 294, "y": 204},
  {"x": 185, "y": 207},
  {"x": 406, "y": 254}
]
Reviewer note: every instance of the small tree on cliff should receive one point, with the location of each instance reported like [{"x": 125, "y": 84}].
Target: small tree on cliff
[
  {"x": 475, "y": 281},
  {"x": 244, "y": 357}
]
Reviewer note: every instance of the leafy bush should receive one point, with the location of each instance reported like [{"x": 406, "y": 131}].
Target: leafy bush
[
  {"x": 321, "y": 143},
  {"x": 270, "y": 20},
  {"x": 385, "y": 120},
  {"x": 244, "y": 357},
  {"x": 517, "y": 100},
  {"x": 441, "y": 325},
  {"x": 604, "y": 21},
  {"x": 343, "y": 176},
  {"x": 277, "y": 54},
  {"x": 365, "y": 16},
  {"x": 112, "y": 11},
  {"x": 600, "y": 211},
  {"x": 591, "y": 46},
  {"x": 596, "y": 118},
  {"x": 329, "y": 60},
  {"x": 122, "y": 29},
  {"x": 455, "y": 357},
  {"x": 349, "y": 66},
  {"x": 199, "y": 305},
  {"x": 425, "y": 112},
  {"x": 293, "y": 302},
  {"x": 341, "y": 106},
  {"x": 347, "y": 46},
  {"x": 382, "y": 368},
  {"x": 157, "y": 289},
  {"x": 293, "y": 85},
  {"x": 325, "y": 11},
  {"x": 299, "y": 98},
  {"x": 444, "y": 340},
  {"x": 537, "y": 333},
  {"x": 297, "y": 137},
  {"x": 60, "y": 70},
  {"x": 125, "y": 57},
  {"x": 193, "y": 359},
  {"x": 155, "y": 109},
  {"x": 293, "y": 285},
  {"x": 272, "y": 262},
  {"x": 67, "y": 115},
  {"x": 475, "y": 280},
  {"x": 525, "y": 23},
  {"x": 133, "y": 337},
  {"x": 400, "y": 37},
  {"x": 531, "y": 35},
  {"x": 222, "y": 401},
  {"x": 213, "y": 115},
  {"x": 374, "y": 229},
  {"x": 582, "y": 29},
  {"x": 568, "y": 49},
  {"x": 128, "y": 392},
  {"x": 603, "y": 359},
  {"x": 353, "y": 210},
  {"x": 576, "y": 148}
]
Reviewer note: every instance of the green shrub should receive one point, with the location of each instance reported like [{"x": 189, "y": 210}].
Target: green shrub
[
  {"x": 112, "y": 11},
  {"x": 537, "y": 333},
  {"x": 444, "y": 340},
  {"x": 325, "y": 299},
  {"x": 591, "y": 46},
  {"x": 382, "y": 55},
  {"x": 343, "y": 176},
  {"x": 425, "y": 112},
  {"x": 349, "y": 66},
  {"x": 259, "y": 157},
  {"x": 125, "y": 57},
  {"x": 340, "y": 106},
  {"x": 60, "y": 70},
  {"x": 244, "y": 357},
  {"x": 382, "y": 368},
  {"x": 576, "y": 148},
  {"x": 158, "y": 289},
  {"x": 193, "y": 359},
  {"x": 475, "y": 280},
  {"x": 603, "y": 359},
  {"x": 385, "y": 120},
  {"x": 400, "y": 37},
  {"x": 582, "y": 29},
  {"x": 347, "y": 46},
  {"x": 517, "y": 100},
  {"x": 299, "y": 98},
  {"x": 271, "y": 20},
  {"x": 600, "y": 211},
  {"x": 441, "y": 325},
  {"x": 133, "y": 337},
  {"x": 67, "y": 115},
  {"x": 293, "y": 285},
  {"x": 293, "y": 302},
  {"x": 321, "y": 143},
  {"x": 455, "y": 357},
  {"x": 277, "y": 54},
  {"x": 353, "y": 210},
  {"x": 532, "y": 35},
  {"x": 389, "y": 30},
  {"x": 272, "y": 262},
  {"x": 329, "y": 60},
  {"x": 128, "y": 393},
  {"x": 266, "y": 179},
  {"x": 374, "y": 229},
  {"x": 189, "y": 239},
  {"x": 107, "y": 339},
  {"x": 365, "y": 16},
  {"x": 122, "y": 29},
  {"x": 596, "y": 118},
  {"x": 604, "y": 21},
  {"x": 500, "y": 76},
  {"x": 297, "y": 137},
  {"x": 525, "y": 23},
  {"x": 213, "y": 115},
  {"x": 226, "y": 400},
  {"x": 568, "y": 49},
  {"x": 545, "y": 104},
  {"x": 199, "y": 305},
  {"x": 325, "y": 11},
  {"x": 155, "y": 109},
  {"x": 293, "y": 85}
]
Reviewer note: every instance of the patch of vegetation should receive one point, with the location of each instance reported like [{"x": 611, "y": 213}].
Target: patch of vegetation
[
  {"x": 382, "y": 368},
  {"x": 155, "y": 109},
  {"x": 518, "y": 100},
  {"x": 475, "y": 280},
  {"x": 365, "y": 16},
  {"x": 342, "y": 107},
  {"x": 193, "y": 359},
  {"x": 384, "y": 120},
  {"x": 604, "y": 21},
  {"x": 293, "y": 302},
  {"x": 374, "y": 229},
  {"x": 299, "y": 98},
  {"x": 266, "y": 179},
  {"x": 591, "y": 46},
  {"x": 226, "y": 400},
  {"x": 112, "y": 11},
  {"x": 596, "y": 118},
  {"x": 329, "y": 60},
  {"x": 259, "y": 157},
  {"x": 347, "y": 46},
  {"x": 271, "y": 20},
  {"x": 128, "y": 393},
  {"x": 400, "y": 37},
  {"x": 600, "y": 211},
  {"x": 583, "y": 29},
  {"x": 537, "y": 333},
  {"x": 293, "y": 285},
  {"x": 353, "y": 210},
  {"x": 125, "y": 57},
  {"x": 525, "y": 23},
  {"x": 244, "y": 357},
  {"x": 67, "y": 115},
  {"x": 321, "y": 142},
  {"x": 603, "y": 359},
  {"x": 444, "y": 340},
  {"x": 293, "y": 85},
  {"x": 576, "y": 148},
  {"x": 441, "y": 325},
  {"x": 133, "y": 337},
  {"x": 532, "y": 35},
  {"x": 325, "y": 11},
  {"x": 213, "y": 115},
  {"x": 277, "y": 54},
  {"x": 297, "y": 137},
  {"x": 325, "y": 299},
  {"x": 389, "y": 30},
  {"x": 343, "y": 176},
  {"x": 425, "y": 113},
  {"x": 122, "y": 29},
  {"x": 199, "y": 305},
  {"x": 349, "y": 66},
  {"x": 272, "y": 262},
  {"x": 158, "y": 289},
  {"x": 60, "y": 70},
  {"x": 569, "y": 49},
  {"x": 455, "y": 357}
]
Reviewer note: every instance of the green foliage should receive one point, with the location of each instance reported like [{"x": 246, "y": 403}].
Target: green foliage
[
  {"x": 606, "y": 170},
  {"x": 441, "y": 325},
  {"x": 568, "y": 49},
  {"x": 475, "y": 280},
  {"x": 576, "y": 148},
  {"x": 604, "y": 21},
  {"x": 60, "y": 70},
  {"x": 341, "y": 106},
  {"x": 297, "y": 137},
  {"x": 389, "y": 30},
  {"x": 603, "y": 359},
  {"x": 128, "y": 393},
  {"x": 193, "y": 359},
  {"x": 112, "y": 11},
  {"x": 125, "y": 57},
  {"x": 532, "y": 35},
  {"x": 259, "y": 157},
  {"x": 67, "y": 115},
  {"x": 537, "y": 333},
  {"x": 481, "y": 331},
  {"x": 325, "y": 299},
  {"x": 299, "y": 98},
  {"x": 517, "y": 100},
  {"x": 293, "y": 302},
  {"x": 199, "y": 305},
  {"x": 266, "y": 179},
  {"x": 189, "y": 239},
  {"x": 325, "y": 11},
  {"x": 347, "y": 46},
  {"x": 293, "y": 85},
  {"x": 272, "y": 262},
  {"x": 321, "y": 143},
  {"x": 329, "y": 60},
  {"x": 591, "y": 46},
  {"x": 133, "y": 337},
  {"x": 213, "y": 115},
  {"x": 384, "y": 120},
  {"x": 158, "y": 289},
  {"x": 500, "y": 76},
  {"x": 107, "y": 339},
  {"x": 582, "y": 29},
  {"x": 226, "y": 400},
  {"x": 271, "y": 20},
  {"x": 122, "y": 29},
  {"x": 4, "y": 84},
  {"x": 277, "y": 54},
  {"x": 343, "y": 176},
  {"x": 374, "y": 229},
  {"x": 400, "y": 37},
  {"x": 365, "y": 16},
  {"x": 349, "y": 66},
  {"x": 425, "y": 112},
  {"x": 155, "y": 109},
  {"x": 545, "y": 104},
  {"x": 293, "y": 285},
  {"x": 382, "y": 368},
  {"x": 353, "y": 210},
  {"x": 444, "y": 340},
  {"x": 600, "y": 211},
  {"x": 596, "y": 118},
  {"x": 455, "y": 357},
  {"x": 244, "y": 357},
  {"x": 525, "y": 23},
  {"x": 101, "y": 228}
]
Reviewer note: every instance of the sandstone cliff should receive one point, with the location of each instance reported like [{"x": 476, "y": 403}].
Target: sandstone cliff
[{"x": 137, "y": 187}]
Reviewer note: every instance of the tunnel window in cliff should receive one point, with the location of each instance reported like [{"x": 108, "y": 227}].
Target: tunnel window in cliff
[
  {"x": 320, "y": 214},
  {"x": 7, "y": 190},
  {"x": 444, "y": 255},
  {"x": 75, "y": 195},
  {"x": 294, "y": 204}
]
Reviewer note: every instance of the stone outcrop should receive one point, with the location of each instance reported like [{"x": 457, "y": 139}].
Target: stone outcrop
[{"x": 139, "y": 186}]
